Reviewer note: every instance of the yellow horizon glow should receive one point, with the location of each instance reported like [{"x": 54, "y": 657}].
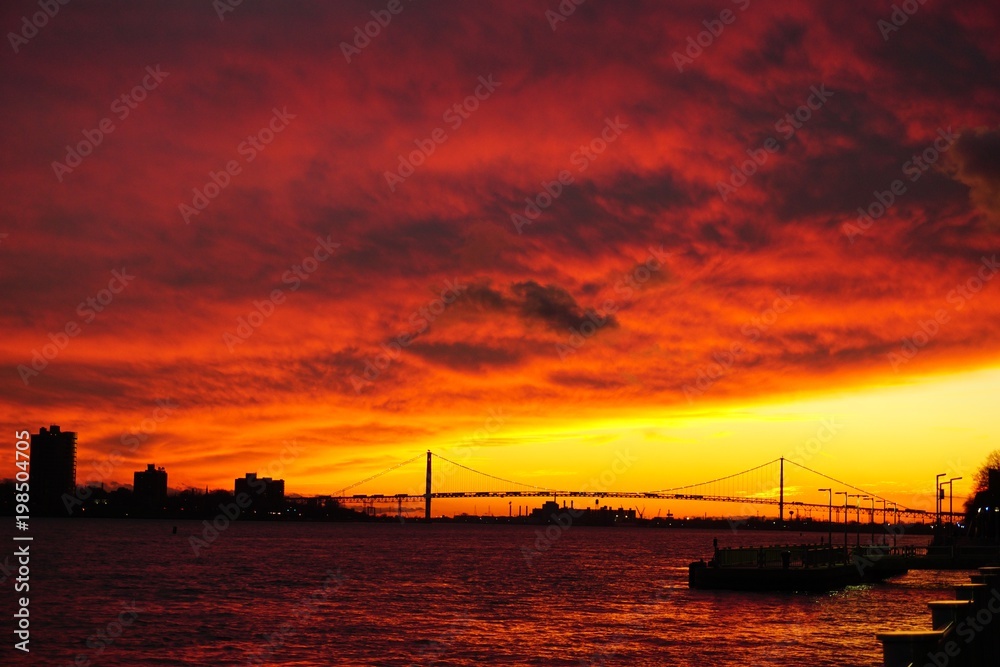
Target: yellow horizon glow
[{"x": 941, "y": 422}]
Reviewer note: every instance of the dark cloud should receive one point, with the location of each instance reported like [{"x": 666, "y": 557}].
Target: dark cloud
[
  {"x": 484, "y": 296},
  {"x": 976, "y": 157},
  {"x": 554, "y": 306},
  {"x": 450, "y": 219},
  {"x": 782, "y": 42},
  {"x": 586, "y": 381},
  {"x": 468, "y": 357}
]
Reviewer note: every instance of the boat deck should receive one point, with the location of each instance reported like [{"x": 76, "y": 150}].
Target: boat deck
[{"x": 795, "y": 568}]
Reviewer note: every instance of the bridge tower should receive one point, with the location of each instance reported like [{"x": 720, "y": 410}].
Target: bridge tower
[
  {"x": 427, "y": 492},
  {"x": 781, "y": 494}
]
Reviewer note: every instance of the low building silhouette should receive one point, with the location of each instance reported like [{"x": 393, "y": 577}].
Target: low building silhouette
[
  {"x": 551, "y": 513},
  {"x": 266, "y": 494},
  {"x": 149, "y": 489},
  {"x": 52, "y": 470}
]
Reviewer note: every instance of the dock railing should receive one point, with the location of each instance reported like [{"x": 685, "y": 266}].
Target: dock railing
[
  {"x": 942, "y": 552},
  {"x": 798, "y": 555}
]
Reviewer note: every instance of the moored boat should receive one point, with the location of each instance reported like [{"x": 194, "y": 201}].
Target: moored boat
[{"x": 806, "y": 568}]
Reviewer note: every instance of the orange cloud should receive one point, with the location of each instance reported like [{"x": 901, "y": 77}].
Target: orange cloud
[{"x": 757, "y": 297}]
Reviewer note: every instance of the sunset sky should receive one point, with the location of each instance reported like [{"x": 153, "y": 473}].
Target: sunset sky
[{"x": 514, "y": 237}]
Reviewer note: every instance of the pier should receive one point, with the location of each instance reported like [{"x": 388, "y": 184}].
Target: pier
[
  {"x": 797, "y": 568},
  {"x": 964, "y": 631},
  {"x": 958, "y": 557}
]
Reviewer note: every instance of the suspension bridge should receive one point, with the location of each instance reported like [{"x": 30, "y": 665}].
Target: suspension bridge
[{"x": 765, "y": 484}]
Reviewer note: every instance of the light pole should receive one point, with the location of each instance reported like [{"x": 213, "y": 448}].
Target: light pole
[
  {"x": 884, "y": 503},
  {"x": 871, "y": 521},
  {"x": 951, "y": 498},
  {"x": 895, "y": 522},
  {"x": 844, "y": 493},
  {"x": 937, "y": 500},
  {"x": 829, "y": 519},
  {"x": 860, "y": 497}
]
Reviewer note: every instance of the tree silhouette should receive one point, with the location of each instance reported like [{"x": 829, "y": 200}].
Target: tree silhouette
[{"x": 992, "y": 462}]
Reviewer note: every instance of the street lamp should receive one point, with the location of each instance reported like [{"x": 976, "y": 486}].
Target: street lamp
[
  {"x": 829, "y": 519},
  {"x": 895, "y": 522},
  {"x": 884, "y": 520},
  {"x": 937, "y": 499},
  {"x": 951, "y": 497},
  {"x": 844, "y": 493},
  {"x": 872, "y": 522},
  {"x": 860, "y": 497}
]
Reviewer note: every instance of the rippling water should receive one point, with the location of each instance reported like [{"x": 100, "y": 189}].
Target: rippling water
[{"x": 391, "y": 594}]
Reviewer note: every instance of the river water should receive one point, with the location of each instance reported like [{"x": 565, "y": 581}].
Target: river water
[{"x": 106, "y": 592}]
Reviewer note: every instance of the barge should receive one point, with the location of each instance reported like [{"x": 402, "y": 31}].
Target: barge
[{"x": 799, "y": 568}]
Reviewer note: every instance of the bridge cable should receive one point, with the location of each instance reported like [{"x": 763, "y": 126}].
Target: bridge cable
[
  {"x": 500, "y": 479},
  {"x": 368, "y": 479},
  {"x": 713, "y": 481},
  {"x": 832, "y": 479}
]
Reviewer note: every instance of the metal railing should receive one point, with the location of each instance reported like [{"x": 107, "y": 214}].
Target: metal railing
[{"x": 798, "y": 555}]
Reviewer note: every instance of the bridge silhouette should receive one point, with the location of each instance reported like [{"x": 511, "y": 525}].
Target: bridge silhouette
[{"x": 765, "y": 484}]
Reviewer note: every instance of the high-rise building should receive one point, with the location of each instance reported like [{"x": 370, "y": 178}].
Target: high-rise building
[
  {"x": 265, "y": 494},
  {"x": 149, "y": 489},
  {"x": 53, "y": 470}
]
